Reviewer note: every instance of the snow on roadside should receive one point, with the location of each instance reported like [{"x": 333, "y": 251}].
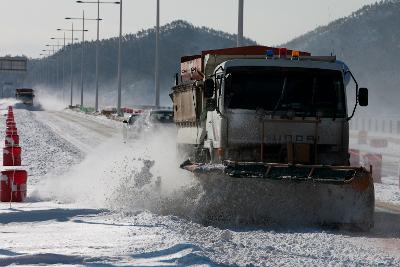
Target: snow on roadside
[
  {"x": 54, "y": 156},
  {"x": 42, "y": 150},
  {"x": 388, "y": 191},
  {"x": 97, "y": 118}
]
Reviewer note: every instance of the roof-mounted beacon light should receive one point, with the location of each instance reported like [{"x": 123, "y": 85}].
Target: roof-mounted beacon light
[
  {"x": 295, "y": 55},
  {"x": 282, "y": 52},
  {"x": 270, "y": 54}
]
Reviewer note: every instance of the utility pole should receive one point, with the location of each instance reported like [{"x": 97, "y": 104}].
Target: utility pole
[
  {"x": 157, "y": 59},
  {"x": 240, "y": 24}
]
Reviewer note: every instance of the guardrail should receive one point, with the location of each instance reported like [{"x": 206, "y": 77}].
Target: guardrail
[{"x": 388, "y": 125}]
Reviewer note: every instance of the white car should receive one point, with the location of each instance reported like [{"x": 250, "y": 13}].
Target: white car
[{"x": 142, "y": 121}]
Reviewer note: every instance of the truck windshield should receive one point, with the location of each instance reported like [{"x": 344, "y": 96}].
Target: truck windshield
[{"x": 303, "y": 91}]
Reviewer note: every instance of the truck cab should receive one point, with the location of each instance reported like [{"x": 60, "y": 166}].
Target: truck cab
[
  {"x": 281, "y": 107},
  {"x": 26, "y": 95}
]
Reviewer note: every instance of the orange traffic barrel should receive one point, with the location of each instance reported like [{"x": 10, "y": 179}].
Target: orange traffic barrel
[
  {"x": 12, "y": 140},
  {"x": 11, "y": 124},
  {"x": 11, "y": 128},
  {"x": 12, "y": 156},
  {"x": 13, "y": 185},
  {"x": 11, "y": 131}
]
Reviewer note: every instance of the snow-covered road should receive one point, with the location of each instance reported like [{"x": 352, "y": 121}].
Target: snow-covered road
[{"x": 84, "y": 208}]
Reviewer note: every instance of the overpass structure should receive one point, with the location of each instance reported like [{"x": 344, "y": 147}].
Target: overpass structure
[{"x": 12, "y": 74}]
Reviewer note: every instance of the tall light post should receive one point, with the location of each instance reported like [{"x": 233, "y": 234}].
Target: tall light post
[
  {"x": 63, "y": 64},
  {"x": 40, "y": 67},
  {"x": 71, "y": 52},
  {"x": 240, "y": 24},
  {"x": 157, "y": 59},
  {"x": 48, "y": 51},
  {"x": 44, "y": 67},
  {"x": 98, "y": 2},
  {"x": 55, "y": 46},
  {"x": 63, "y": 61},
  {"x": 82, "y": 48},
  {"x": 119, "y": 60}
]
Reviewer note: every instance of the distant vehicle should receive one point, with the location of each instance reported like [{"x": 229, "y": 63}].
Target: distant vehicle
[
  {"x": 152, "y": 116},
  {"x": 162, "y": 116},
  {"x": 108, "y": 111},
  {"x": 145, "y": 120},
  {"x": 26, "y": 95},
  {"x": 132, "y": 118}
]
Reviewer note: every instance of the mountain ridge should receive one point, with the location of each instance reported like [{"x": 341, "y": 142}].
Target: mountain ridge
[
  {"x": 368, "y": 41},
  {"x": 177, "y": 39}
]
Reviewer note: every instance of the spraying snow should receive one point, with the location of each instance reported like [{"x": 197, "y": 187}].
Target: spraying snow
[{"x": 141, "y": 174}]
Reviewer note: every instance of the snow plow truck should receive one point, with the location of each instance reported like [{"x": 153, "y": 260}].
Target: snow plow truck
[
  {"x": 266, "y": 133},
  {"x": 26, "y": 95}
]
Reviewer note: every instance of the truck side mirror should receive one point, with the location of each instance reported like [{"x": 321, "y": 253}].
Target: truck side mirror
[
  {"x": 363, "y": 97},
  {"x": 209, "y": 87}
]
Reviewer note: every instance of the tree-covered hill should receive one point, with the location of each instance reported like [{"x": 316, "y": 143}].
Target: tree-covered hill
[{"x": 177, "y": 39}]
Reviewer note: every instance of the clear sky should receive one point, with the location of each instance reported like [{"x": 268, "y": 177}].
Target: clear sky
[{"x": 27, "y": 25}]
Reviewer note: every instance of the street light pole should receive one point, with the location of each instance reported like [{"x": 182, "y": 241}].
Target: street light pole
[
  {"x": 56, "y": 61},
  {"x": 63, "y": 71},
  {"x": 72, "y": 44},
  {"x": 43, "y": 67},
  {"x": 98, "y": 2},
  {"x": 63, "y": 62},
  {"x": 240, "y": 24},
  {"x": 157, "y": 59},
  {"x": 96, "y": 104},
  {"x": 119, "y": 59},
  {"x": 82, "y": 49},
  {"x": 47, "y": 66},
  {"x": 83, "y": 53},
  {"x": 72, "y": 79},
  {"x": 51, "y": 76}
]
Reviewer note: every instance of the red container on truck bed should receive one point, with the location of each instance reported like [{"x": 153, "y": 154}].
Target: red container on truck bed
[{"x": 192, "y": 67}]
